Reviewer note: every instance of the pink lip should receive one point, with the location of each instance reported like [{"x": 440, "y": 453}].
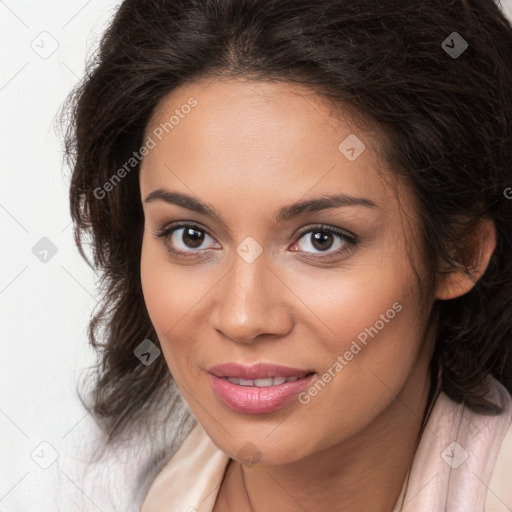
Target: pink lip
[
  {"x": 256, "y": 371},
  {"x": 253, "y": 399}
]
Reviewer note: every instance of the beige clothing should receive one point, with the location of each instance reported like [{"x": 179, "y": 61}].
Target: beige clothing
[{"x": 463, "y": 464}]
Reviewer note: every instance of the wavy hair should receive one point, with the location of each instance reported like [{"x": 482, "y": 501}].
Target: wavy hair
[{"x": 446, "y": 121}]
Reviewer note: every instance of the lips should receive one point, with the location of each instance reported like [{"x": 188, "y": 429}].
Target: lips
[
  {"x": 257, "y": 389},
  {"x": 261, "y": 383},
  {"x": 257, "y": 371}
]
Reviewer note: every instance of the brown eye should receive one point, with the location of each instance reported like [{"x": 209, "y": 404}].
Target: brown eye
[
  {"x": 186, "y": 239},
  {"x": 192, "y": 237},
  {"x": 321, "y": 240}
]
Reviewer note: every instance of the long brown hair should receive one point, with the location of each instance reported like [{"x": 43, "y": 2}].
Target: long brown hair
[{"x": 447, "y": 121}]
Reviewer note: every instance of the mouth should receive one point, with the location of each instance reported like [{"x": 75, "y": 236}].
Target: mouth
[
  {"x": 259, "y": 388},
  {"x": 263, "y": 383},
  {"x": 259, "y": 374}
]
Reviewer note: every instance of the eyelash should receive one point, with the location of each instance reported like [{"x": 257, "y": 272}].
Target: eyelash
[{"x": 351, "y": 240}]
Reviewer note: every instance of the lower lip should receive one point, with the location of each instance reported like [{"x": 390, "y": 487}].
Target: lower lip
[{"x": 256, "y": 400}]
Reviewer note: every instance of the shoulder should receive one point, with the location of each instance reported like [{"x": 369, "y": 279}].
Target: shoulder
[
  {"x": 499, "y": 494},
  {"x": 191, "y": 477},
  {"x": 463, "y": 458}
]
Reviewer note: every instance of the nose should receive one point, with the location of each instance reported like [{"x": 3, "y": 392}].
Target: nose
[{"x": 253, "y": 303}]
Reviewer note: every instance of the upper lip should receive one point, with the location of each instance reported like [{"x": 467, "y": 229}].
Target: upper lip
[{"x": 256, "y": 371}]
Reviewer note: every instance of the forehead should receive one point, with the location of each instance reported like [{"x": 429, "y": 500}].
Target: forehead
[{"x": 266, "y": 140}]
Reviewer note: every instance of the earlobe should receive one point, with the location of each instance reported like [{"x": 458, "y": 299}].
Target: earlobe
[{"x": 457, "y": 281}]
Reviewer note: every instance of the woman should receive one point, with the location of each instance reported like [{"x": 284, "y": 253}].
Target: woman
[{"x": 299, "y": 213}]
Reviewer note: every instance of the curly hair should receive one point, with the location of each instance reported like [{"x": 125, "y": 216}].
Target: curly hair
[{"x": 446, "y": 120}]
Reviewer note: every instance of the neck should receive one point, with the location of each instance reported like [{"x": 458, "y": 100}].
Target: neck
[{"x": 364, "y": 472}]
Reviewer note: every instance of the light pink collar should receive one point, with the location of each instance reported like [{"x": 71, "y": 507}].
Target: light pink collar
[{"x": 456, "y": 455}]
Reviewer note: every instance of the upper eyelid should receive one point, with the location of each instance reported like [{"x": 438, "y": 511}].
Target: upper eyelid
[{"x": 326, "y": 227}]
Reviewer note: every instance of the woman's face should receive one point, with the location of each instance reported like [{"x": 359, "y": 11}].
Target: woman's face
[{"x": 258, "y": 267}]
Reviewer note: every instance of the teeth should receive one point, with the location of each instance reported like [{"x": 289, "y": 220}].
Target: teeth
[{"x": 261, "y": 383}]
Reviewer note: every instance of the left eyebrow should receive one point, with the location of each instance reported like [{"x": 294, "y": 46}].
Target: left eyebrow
[
  {"x": 285, "y": 213},
  {"x": 322, "y": 203}
]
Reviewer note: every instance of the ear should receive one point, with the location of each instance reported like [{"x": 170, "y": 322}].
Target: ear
[{"x": 458, "y": 282}]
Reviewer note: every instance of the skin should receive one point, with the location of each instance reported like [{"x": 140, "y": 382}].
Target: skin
[{"x": 248, "y": 149}]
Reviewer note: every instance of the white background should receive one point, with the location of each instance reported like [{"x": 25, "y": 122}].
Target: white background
[{"x": 44, "y": 306}]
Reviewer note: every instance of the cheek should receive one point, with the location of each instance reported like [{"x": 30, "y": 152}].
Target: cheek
[
  {"x": 370, "y": 299},
  {"x": 380, "y": 316},
  {"x": 380, "y": 306},
  {"x": 373, "y": 344},
  {"x": 158, "y": 285},
  {"x": 165, "y": 293},
  {"x": 169, "y": 289},
  {"x": 172, "y": 294}
]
